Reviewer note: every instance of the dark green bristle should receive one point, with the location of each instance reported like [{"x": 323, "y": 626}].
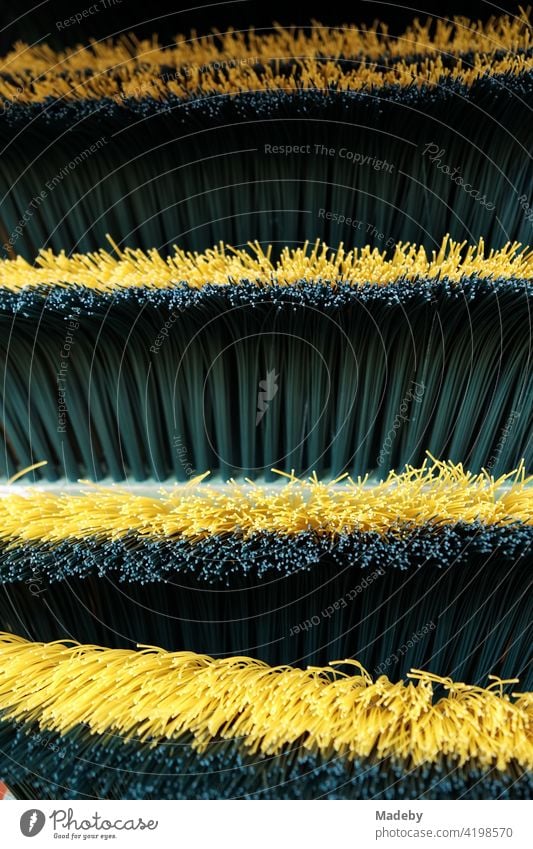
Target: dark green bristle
[
  {"x": 451, "y": 599},
  {"x": 78, "y": 765}
]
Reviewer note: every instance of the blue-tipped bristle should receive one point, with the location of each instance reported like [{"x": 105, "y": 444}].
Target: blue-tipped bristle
[
  {"x": 447, "y": 596},
  {"x": 491, "y": 92},
  {"x": 78, "y": 765}
]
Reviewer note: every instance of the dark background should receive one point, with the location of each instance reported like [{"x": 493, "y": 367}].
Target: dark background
[{"x": 36, "y": 21}]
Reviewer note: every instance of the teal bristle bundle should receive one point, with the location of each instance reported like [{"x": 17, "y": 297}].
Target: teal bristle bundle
[
  {"x": 396, "y": 602},
  {"x": 78, "y": 765},
  {"x": 368, "y": 379},
  {"x": 232, "y": 189}
]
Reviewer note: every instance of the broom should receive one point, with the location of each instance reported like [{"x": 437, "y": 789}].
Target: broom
[{"x": 296, "y": 639}]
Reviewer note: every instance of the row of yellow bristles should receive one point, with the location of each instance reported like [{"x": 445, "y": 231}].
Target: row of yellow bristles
[
  {"x": 154, "y": 696},
  {"x": 227, "y": 63},
  {"x": 437, "y": 493},
  {"x": 223, "y": 264}
]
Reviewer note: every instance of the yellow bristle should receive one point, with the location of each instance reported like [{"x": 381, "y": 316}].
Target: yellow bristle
[
  {"x": 154, "y": 695},
  {"x": 437, "y": 494}
]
